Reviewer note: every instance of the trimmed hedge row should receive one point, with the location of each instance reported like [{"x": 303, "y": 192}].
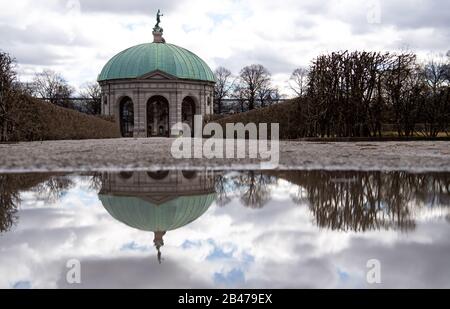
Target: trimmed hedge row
[
  {"x": 38, "y": 120},
  {"x": 286, "y": 114},
  {"x": 292, "y": 124}
]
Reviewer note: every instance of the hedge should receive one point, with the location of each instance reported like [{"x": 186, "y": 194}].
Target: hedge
[
  {"x": 34, "y": 120},
  {"x": 286, "y": 114}
]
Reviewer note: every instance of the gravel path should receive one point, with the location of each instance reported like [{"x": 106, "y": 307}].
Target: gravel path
[{"x": 141, "y": 154}]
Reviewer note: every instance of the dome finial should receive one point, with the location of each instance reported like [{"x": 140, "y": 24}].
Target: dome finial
[
  {"x": 159, "y": 242},
  {"x": 158, "y": 31}
]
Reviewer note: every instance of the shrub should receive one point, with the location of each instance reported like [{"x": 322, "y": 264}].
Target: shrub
[
  {"x": 34, "y": 120},
  {"x": 287, "y": 114}
]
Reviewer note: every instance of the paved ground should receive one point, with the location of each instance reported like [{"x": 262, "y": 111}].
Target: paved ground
[{"x": 138, "y": 154}]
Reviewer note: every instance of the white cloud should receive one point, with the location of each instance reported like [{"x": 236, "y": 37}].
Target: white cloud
[{"x": 78, "y": 37}]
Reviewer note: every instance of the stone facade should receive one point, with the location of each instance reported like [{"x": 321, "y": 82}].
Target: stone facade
[
  {"x": 156, "y": 84},
  {"x": 159, "y": 187}
]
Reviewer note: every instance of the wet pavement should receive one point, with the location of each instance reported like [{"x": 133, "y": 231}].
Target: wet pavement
[{"x": 143, "y": 154}]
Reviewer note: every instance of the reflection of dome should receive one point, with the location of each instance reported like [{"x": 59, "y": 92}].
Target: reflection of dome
[{"x": 147, "y": 216}]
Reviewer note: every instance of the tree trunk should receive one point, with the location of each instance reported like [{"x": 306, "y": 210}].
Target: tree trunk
[{"x": 4, "y": 130}]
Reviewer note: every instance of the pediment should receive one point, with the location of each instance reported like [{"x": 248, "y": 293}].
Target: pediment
[
  {"x": 157, "y": 75},
  {"x": 159, "y": 200}
]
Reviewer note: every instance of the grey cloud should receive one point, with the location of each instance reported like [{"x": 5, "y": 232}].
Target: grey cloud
[
  {"x": 130, "y": 6},
  {"x": 38, "y": 34},
  {"x": 439, "y": 42},
  {"x": 273, "y": 60},
  {"x": 134, "y": 272},
  {"x": 307, "y": 274},
  {"x": 406, "y": 14},
  {"x": 271, "y": 212},
  {"x": 406, "y": 264},
  {"x": 41, "y": 55},
  {"x": 43, "y": 240},
  {"x": 408, "y": 17},
  {"x": 313, "y": 6},
  {"x": 35, "y": 44},
  {"x": 402, "y": 14}
]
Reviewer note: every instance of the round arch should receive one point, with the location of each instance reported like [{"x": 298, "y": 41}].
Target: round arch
[
  {"x": 188, "y": 111},
  {"x": 158, "y": 117},
  {"x": 189, "y": 174},
  {"x": 126, "y": 115},
  {"x": 159, "y": 175},
  {"x": 126, "y": 175}
]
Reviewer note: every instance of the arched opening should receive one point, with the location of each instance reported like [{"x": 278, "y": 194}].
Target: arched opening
[
  {"x": 126, "y": 117},
  {"x": 189, "y": 174},
  {"x": 160, "y": 175},
  {"x": 126, "y": 175},
  {"x": 158, "y": 117},
  {"x": 188, "y": 112}
]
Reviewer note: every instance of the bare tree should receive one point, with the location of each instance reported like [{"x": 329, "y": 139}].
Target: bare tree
[
  {"x": 222, "y": 186},
  {"x": 223, "y": 88},
  {"x": 435, "y": 112},
  {"x": 365, "y": 201},
  {"x": 268, "y": 95},
  {"x": 7, "y": 79},
  {"x": 435, "y": 73},
  {"x": 254, "y": 187},
  {"x": 404, "y": 91},
  {"x": 299, "y": 81},
  {"x": 54, "y": 188},
  {"x": 95, "y": 182},
  {"x": 353, "y": 93},
  {"x": 93, "y": 95},
  {"x": 447, "y": 67},
  {"x": 240, "y": 94},
  {"x": 9, "y": 200},
  {"x": 52, "y": 86},
  {"x": 253, "y": 78},
  {"x": 345, "y": 94}
]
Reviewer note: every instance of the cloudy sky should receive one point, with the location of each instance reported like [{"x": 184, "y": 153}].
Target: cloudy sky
[
  {"x": 77, "y": 37},
  {"x": 233, "y": 246}
]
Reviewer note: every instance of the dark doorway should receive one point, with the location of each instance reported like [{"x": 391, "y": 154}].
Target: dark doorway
[
  {"x": 188, "y": 113},
  {"x": 189, "y": 174},
  {"x": 158, "y": 117},
  {"x": 160, "y": 175},
  {"x": 126, "y": 117}
]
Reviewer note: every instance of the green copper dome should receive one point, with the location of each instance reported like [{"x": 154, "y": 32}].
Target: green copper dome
[
  {"x": 144, "y": 215},
  {"x": 146, "y": 58}
]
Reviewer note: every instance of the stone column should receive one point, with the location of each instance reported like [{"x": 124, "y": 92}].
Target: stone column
[
  {"x": 114, "y": 107},
  {"x": 155, "y": 119},
  {"x": 202, "y": 98},
  {"x": 176, "y": 101},
  {"x": 139, "y": 112}
]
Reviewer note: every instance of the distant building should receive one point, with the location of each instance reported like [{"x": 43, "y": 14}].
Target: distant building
[{"x": 153, "y": 86}]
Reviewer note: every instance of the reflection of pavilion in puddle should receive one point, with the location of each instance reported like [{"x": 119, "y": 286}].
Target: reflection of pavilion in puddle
[{"x": 157, "y": 201}]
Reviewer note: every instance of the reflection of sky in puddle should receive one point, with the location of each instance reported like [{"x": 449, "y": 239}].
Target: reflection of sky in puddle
[{"x": 288, "y": 235}]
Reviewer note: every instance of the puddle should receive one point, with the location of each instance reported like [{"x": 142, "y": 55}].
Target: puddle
[{"x": 213, "y": 229}]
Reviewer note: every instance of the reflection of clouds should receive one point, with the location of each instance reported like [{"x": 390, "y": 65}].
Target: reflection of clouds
[
  {"x": 231, "y": 278},
  {"x": 272, "y": 247},
  {"x": 22, "y": 285},
  {"x": 134, "y": 272},
  {"x": 419, "y": 261},
  {"x": 133, "y": 246}
]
